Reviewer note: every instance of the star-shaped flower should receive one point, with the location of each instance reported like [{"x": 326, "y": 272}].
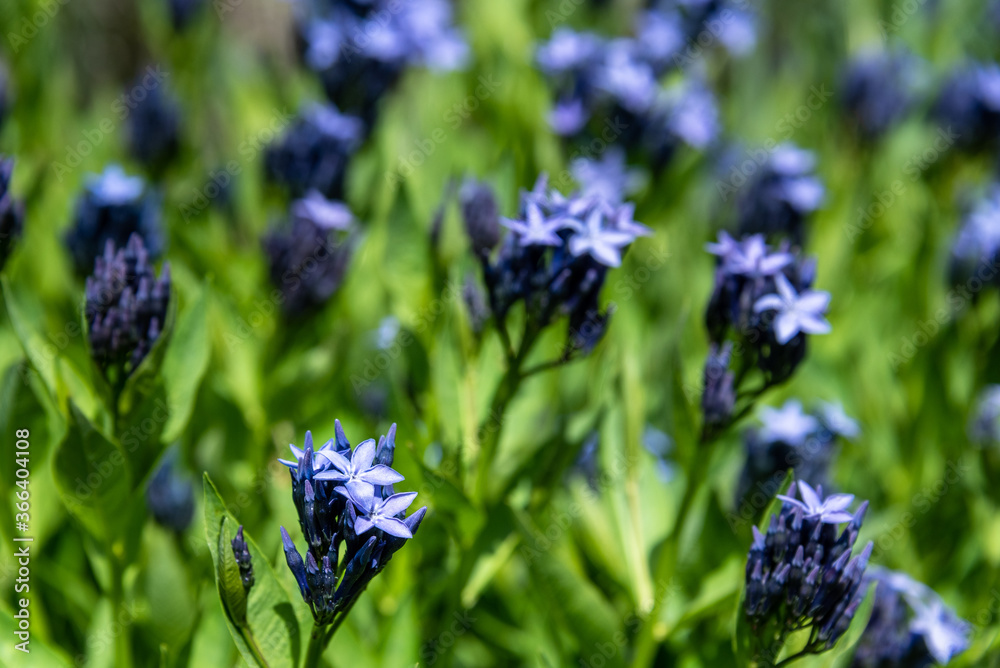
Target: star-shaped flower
[
  {"x": 796, "y": 312},
  {"x": 602, "y": 243},
  {"x": 535, "y": 230},
  {"x": 944, "y": 635},
  {"x": 832, "y": 510},
  {"x": 380, "y": 513},
  {"x": 325, "y": 213},
  {"x": 837, "y": 421},
  {"x": 319, "y": 463},
  {"x": 789, "y": 424},
  {"x": 358, "y": 472},
  {"x": 755, "y": 261}
]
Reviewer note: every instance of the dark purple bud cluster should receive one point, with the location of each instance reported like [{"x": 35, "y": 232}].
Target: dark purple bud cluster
[
  {"x": 608, "y": 89},
  {"x": 154, "y": 129},
  {"x": 792, "y": 439},
  {"x": 555, "y": 259},
  {"x": 170, "y": 495},
  {"x": 242, "y": 554},
  {"x": 308, "y": 262},
  {"x": 910, "y": 626},
  {"x": 314, "y": 153},
  {"x": 764, "y": 305},
  {"x": 360, "y": 48},
  {"x": 126, "y": 307},
  {"x": 11, "y": 212},
  {"x": 729, "y": 22},
  {"x": 783, "y": 193},
  {"x": 481, "y": 215},
  {"x": 113, "y": 207},
  {"x": 877, "y": 91},
  {"x": 801, "y": 575},
  {"x": 352, "y": 520},
  {"x": 975, "y": 253},
  {"x": 968, "y": 105}
]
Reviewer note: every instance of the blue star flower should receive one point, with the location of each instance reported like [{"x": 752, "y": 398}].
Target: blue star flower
[
  {"x": 114, "y": 186},
  {"x": 944, "y": 635},
  {"x": 319, "y": 463},
  {"x": 789, "y": 424},
  {"x": 358, "y": 470},
  {"x": 380, "y": 513},
  {"x": 754, "y": 260},
  {"x": 832, "y": 510},
  {"x": 602, "y": 243},
  {"x": 535, "y": 230},
  {"x": 796, "y": 312}
]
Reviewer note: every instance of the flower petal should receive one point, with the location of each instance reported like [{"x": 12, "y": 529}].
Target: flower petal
[
  {"x": 786, "y": 326},
  {"x": 813, "y": 301},
  {"x": 364, "y": 455},
  {"x": 338, "y": 460},
  {"x": 397, "y": 503},
  {"x": 362, "y": 524},
  {"x": 837, "y": 502},
  {"x": 380, "y": 475},
  {"x": 809, "y": 496},
  {"x": 392, "y": 526},
  {"x": 836, "y": 518},
  {"x": 769, "y": 302},
  {"x": 362, "y": 494}
]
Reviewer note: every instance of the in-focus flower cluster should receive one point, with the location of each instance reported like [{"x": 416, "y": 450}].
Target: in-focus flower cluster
[
  {"x": 126, "y": 307},
  {"x": 351, "y": 518},
  {"x": 313, "y": 154},
  {"x": 877, "y": 89},
  {"x": 360, "y": 49},
  {"x": 555, "y": 259},
  {"x": 761, "y": 310},
  {"x": 308, "y": 262},
  {"x": 782, "y": 195},
  {"x": 113, "y": 207},
  {"x": 910, "y": 626},
  {"x": 790, "y": 438},
  {"x": 968, "y": 105},
  {"x": 11, "y": 212},
  {"x": 609, "y": 89},
  {"x": 975, "y": 253},
  {"x": 802, "y": 575}
]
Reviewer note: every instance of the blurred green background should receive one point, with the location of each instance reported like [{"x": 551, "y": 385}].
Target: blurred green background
[{"x": 561, "y": 571}]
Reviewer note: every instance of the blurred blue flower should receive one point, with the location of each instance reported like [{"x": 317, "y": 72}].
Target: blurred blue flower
[
  {"x": 831, "y": 510},
  {"x": 788, "y": 424},
  {"x": 796, "y": 312}
]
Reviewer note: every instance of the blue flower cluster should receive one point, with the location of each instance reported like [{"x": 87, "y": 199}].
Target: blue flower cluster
[
  {"x": 802, "y": 575},
  {"x": 975, "y": 253},
  {"x": 307, "y": 263},
  {"x": 984, "y": 424},
  {"x": 761, "y": 311},
  {"x": 314, "y": 152},
  {"x": 351, "y": 518},
  {"x": 154, "y": 129},
  {"x": 11, "y": 212},
  {"x": 969, "y": 104},
  {"x": 877, "y": 90},
  {"x": 126, "y": 307},
  {"x": 170, "y": 494},
  {"x": 784, "y": 192},
  {"x": 790, "y": 438},
  {"x": 555, "y": 259},
  {"x": 359, "y": 49},
  {"x": 609, "y": 89},
  {"x": 113, "y": 207},
  {"x": 910, "y": 626}
]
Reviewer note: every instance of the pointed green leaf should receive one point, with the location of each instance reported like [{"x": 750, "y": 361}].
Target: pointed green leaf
[
  {"x": 234, "y": 598},
  {"x": 184, "y": 365},
  {"x": 272, "y": 629}
]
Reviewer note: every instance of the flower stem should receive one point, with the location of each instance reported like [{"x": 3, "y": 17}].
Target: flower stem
[
  {"x": 123, "y": 641},
  {"x": 318, "y": 640}
]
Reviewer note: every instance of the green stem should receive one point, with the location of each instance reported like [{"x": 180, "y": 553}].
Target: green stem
[
  {"x": 251, "y": 642},
  {"x": 667, "y": 563},
  {"x": 123, "y": 640},
  {"x": 317, "y": 643}
]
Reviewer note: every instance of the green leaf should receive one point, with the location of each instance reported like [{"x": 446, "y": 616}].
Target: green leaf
[
  {"x": 184, "y": 365},
  {"x": 41, "y": 654},
  {"x": 92, "y": 476},
  {"x": 33, "y": 343},
  {"x": 271, "y": 623},
  {"x": 227, "y": 574}
]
